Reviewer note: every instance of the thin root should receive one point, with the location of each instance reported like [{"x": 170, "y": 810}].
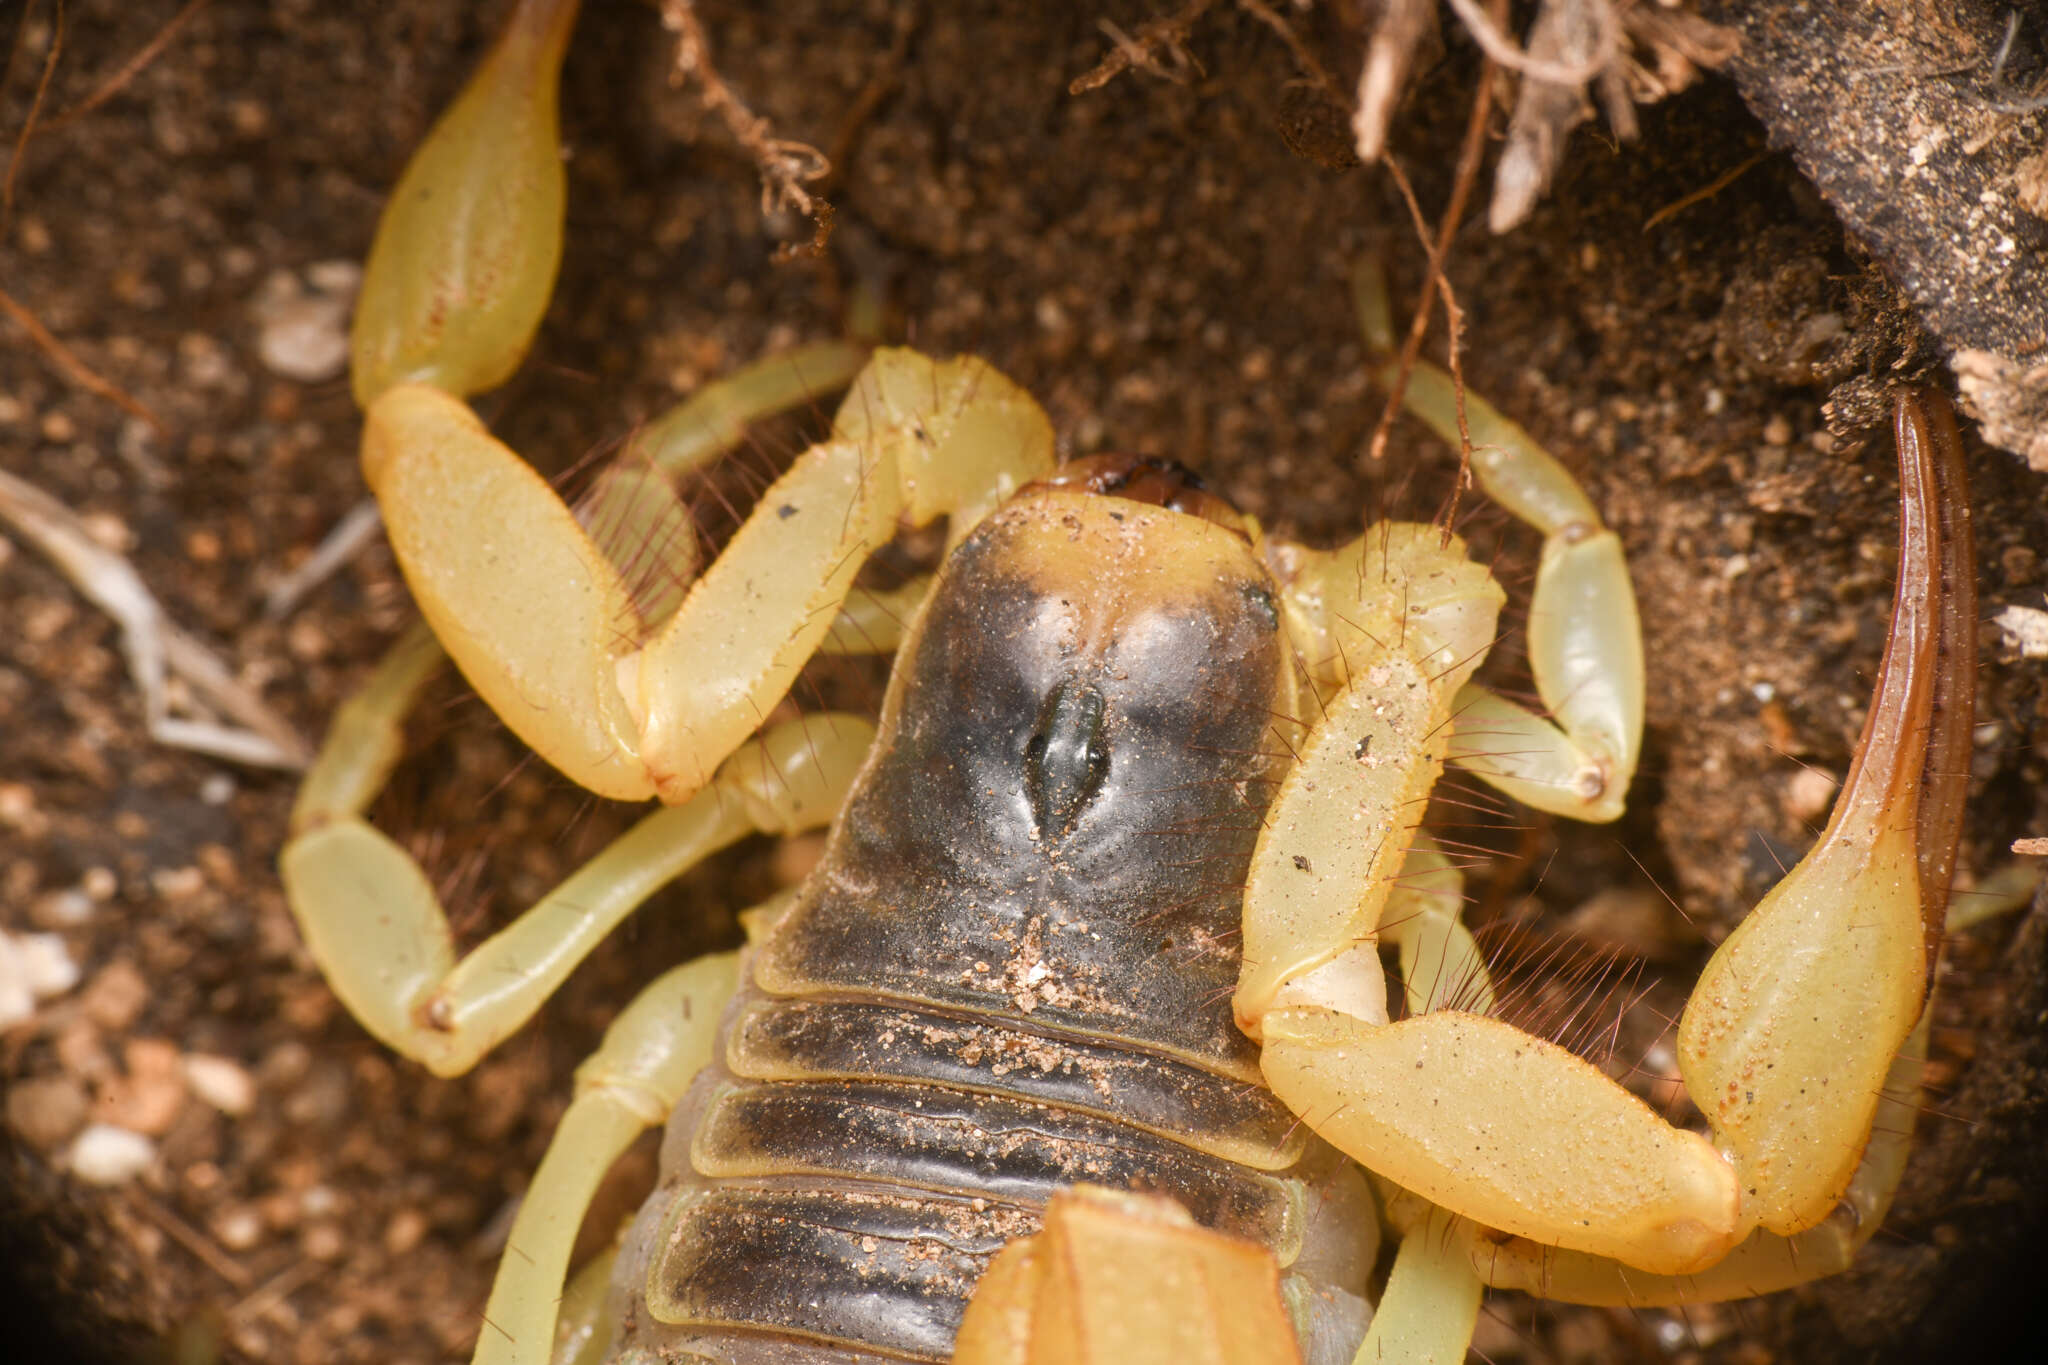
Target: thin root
[
  {"x": 1142, "y": 50},
  {"x": 77, "y": 371},
  {"x": 786, "y": 166},
  {"x": 130, "y": 69},
  {"x": 1469, "y": 154}
]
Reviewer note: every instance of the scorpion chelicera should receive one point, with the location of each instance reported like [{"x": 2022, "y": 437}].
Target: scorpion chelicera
[{"x": 1107, "y": 885}]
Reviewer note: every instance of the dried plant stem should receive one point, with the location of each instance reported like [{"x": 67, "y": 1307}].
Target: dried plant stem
[
  {"x": 1496, "y": 45},
  {"x": 1469, "y": 153},
  {"x": 786, "y": 166}
]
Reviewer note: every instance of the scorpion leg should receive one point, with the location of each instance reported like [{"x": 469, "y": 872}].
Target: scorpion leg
[
  {"x": 381, "y": 936},
  {"x": 637, "y": 1075},
  {"x": 1585, "y": 642},
  {"x": 1431, "y": 1302},
  {"x": 1787, "y": 1042}
]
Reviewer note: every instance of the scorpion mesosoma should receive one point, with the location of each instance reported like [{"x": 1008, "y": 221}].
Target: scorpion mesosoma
[{"x": 1018, "y": 966}]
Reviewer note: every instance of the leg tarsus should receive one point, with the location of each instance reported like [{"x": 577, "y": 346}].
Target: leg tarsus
[
  {"x": 381, "y": 936},
  {"x": 1431, "y": 1303},
  {"x": 367, "y": 736},
  {"x": 1585, "y": 640},
  {"x": 637, "y": 1075}
]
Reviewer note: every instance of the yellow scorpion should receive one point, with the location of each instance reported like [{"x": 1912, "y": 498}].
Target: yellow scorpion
[{"x": 1108, "y": 885}]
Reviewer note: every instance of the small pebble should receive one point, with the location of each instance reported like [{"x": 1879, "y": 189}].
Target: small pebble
[
  {"x": 306, "y": 340},
  {"x": 114, "y": 998},
  {"x": 2024, "y": 629},
  {"x": 406, "y": 1230},
  {"x": 239, "y": 1228},
  {"x": 323, "y": 1242},
  {"x": 147, "y": 1098},
  {"x": 224, "y": 1084},
  {"x": 106, "y": 1155},
  {"x": 1808, "y": 792},
  {"x": 32, "y": 967},
  {"x": 177, "y": 883},
  {"x": 303, "y": 332},
  {"x": 46, "y": 1111},
  {"x": 64, "y": 909}
]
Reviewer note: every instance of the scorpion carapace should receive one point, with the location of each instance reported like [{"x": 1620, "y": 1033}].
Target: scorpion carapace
[{"x": 1011, "y": 971}]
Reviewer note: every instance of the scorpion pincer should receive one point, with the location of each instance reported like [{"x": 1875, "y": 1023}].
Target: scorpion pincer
[{"x": 1105, "y": 899}]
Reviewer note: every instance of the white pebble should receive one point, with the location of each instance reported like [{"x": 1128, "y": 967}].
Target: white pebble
[
  {"x": 2024, "y": 629},
  {"x": 338, "y": 276},
  {"x": 303, "y": 332},
  {"x": 106, "y": 1155},
  {"x": 306, "y": 339},
  {"x": 1808, "y": 792},
  {"x": 32, "y": 966},
  {"x": 221, "y": 1083}
]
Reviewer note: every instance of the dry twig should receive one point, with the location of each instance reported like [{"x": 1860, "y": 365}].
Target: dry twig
[
  {"x": 156, "y": 649},
  {"x": 1439, "y": 247},
  {"x": 786, "y": 166},
  {"x": 1141, "y": 50},
  {"x": 1572, "y": 42},
  {"x": 1403, "y": 24}
]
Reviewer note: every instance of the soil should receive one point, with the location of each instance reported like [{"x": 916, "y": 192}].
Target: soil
[{"x": 1165, "y": 263}]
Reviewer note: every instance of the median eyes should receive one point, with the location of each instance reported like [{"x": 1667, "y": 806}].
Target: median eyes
[{"x": 1067, "y": 757}]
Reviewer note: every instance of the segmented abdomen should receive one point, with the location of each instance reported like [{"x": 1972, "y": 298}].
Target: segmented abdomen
[{"x": 859, "y": 1213}]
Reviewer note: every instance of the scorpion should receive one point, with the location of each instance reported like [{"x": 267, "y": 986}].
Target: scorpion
[{"x": 1084, "y": 1003}]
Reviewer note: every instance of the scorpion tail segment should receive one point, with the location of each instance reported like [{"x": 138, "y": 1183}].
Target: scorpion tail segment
[
  {"x": 1431, "y": 1303},
  {"x": 1789, "y": 1036},
  {"x": 524, "y": 602},
  {"x": 1127, "y": 1279},
  {"x": 467, "y": 249},
  {"x": 627, "y": 1086}
]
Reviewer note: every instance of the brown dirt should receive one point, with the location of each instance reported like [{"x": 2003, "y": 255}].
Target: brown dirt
[{"x": 1157, "y": 264}]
